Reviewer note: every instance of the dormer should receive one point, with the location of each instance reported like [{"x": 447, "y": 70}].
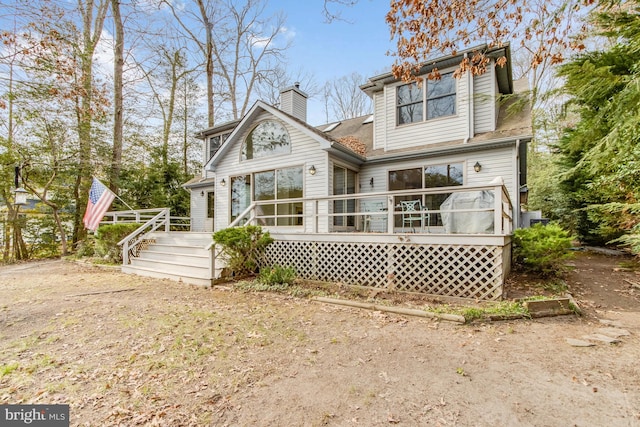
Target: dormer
[
  {"x": 214, "y": 137},
  {"x": 447, "y": 110}
]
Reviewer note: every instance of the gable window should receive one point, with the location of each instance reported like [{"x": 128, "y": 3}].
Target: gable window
[
  {"x": 215, "y": 142},
  {"x": 439, "y": 100},
  {"x": 269, "y": 138},
  {"x": 409, "y": 102}
]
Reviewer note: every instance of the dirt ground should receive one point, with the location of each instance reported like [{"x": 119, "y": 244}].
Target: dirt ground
[{"x": 125, "y": 350}]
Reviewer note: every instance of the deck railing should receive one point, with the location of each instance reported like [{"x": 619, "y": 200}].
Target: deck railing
[
  {"x": 470, "y": 210},
  {"x": 176, "y": 223}
]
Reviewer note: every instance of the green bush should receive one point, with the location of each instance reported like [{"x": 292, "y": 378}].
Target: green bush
[
  {"x": 107, "y": 238},
  {"x": 86, "y": 247},
  {"x": 277, "y": 275},
  {"x": 42, "y": 234},
  {"x": 243, "y": 247},
  {"x": 542, "y": 249}
]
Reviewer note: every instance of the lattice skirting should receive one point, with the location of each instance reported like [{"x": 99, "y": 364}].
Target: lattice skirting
[{"x": 467, "y": 271}]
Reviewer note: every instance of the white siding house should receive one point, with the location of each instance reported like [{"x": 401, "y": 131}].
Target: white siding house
[{"x": 429, "y": 142}]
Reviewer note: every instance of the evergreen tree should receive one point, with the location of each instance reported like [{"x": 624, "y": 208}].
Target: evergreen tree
[{"x": 600, "y": 154}]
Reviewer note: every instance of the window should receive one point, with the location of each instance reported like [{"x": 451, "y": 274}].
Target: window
[
  {"x": 447, "y": 175},
  {"x": 240, "y": 194},
  {"x": 409, "y": 102},
  {"x": 215, "y": 142},
  {"x": 404, "y": 179},
  {"x": 439, "y": 100},
  {"x": 211, "y": 202},
  {"x": 441, "y": 176},
  {"x": 441, "y": 96},
  {"x": 289, "y": 186},
  {"x": 279, "y": 184},
  {"x": 344, "y": 182},
  {"x": 269, "y": 138}
]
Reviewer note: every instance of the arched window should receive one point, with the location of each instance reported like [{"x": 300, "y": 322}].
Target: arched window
[{"x": 269, "y": 138}]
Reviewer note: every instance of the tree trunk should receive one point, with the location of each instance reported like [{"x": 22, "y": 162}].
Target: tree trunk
[
  {"x": 118, "y": 64},
  {"x": 19, "y": 246},
  {"x": 63, "y": 236},
  {"x": 91, "y": 31},
  {"x": 185, "y": 133},
  {"x": 208, "y": 52}
]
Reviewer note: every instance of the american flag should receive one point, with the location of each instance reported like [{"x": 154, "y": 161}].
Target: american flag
[{"x": 100, "y": 199}]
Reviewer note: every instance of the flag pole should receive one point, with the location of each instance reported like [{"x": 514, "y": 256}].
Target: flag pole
[
  {"x": 120, "y": 198},
  {"x": 125, "y": 203}
]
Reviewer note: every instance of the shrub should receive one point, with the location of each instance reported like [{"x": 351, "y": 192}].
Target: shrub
[
  {"x": 107, "y": 238},
  {"x": 41, "y": 232},
  {"x": 243, "y": 247},
  {"x": 277, "y": 275},
  {"x": 86, "y": 247},
  {"x": 542, "y": 248}
]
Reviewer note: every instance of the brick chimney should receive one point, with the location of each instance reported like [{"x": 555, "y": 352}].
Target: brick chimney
[{"x": 294, "y": 101}]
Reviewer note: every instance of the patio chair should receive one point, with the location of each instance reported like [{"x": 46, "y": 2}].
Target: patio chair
[{"x": 411, "y": 212}]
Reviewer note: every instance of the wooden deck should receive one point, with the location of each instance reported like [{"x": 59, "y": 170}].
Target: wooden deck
[{"x": 370, "y": 248}]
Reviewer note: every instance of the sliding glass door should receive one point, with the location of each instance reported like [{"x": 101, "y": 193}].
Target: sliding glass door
[{"x": 344, "y": 182}]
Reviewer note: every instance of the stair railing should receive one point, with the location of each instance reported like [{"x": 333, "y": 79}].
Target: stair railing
[{"x": 139, "y": 239}]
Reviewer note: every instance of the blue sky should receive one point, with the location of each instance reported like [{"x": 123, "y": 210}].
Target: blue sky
[{"x": 333, "y": 50}]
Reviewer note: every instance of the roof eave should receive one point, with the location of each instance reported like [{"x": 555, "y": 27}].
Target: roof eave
[
  {"x": 457, "y": 149},
  {"x": 345, "y": 153},
  {"x": 377, "y": 83}
]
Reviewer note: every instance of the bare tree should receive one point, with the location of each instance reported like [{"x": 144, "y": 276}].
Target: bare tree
[
  {"x": 208, "y": 17},
  {"x": 269, "y": 85},
  {"x": 346, "y": 98},
  {"x": 92, "y": 15},
  {"x": 164, "y": 81},
  {"x": 188, "y": 116},
  {"x": 246, "y": 51},
  {"x": 57, "y": 55},
  {"x": 43, "y": 167},
  {"x": 239, "y": 46},
  {"x": 332, "y": 13}
]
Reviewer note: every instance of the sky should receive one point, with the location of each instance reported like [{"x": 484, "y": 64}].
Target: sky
[{"x": 328, "y": 51}]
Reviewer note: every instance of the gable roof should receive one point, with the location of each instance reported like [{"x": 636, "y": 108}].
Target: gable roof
[
  {"x": 325, "y": 141},
  {"x": 352, "y": 139}
]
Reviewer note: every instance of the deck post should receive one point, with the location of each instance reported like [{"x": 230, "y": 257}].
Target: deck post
[
  {"x": 497, "y": 219},
  {"x": 390, "y": 214},
  {"x": 125, "y": 253},
  {"x": 212, "y": 261},
  {"x": 167, "y": 220},
  {"x": 314, "y": 216}
]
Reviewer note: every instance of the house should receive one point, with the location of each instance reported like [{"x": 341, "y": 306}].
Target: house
[{"x": 422, "y": 195}]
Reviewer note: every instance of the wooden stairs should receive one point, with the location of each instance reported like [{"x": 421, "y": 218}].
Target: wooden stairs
[{"x": 180, "y": 256}]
